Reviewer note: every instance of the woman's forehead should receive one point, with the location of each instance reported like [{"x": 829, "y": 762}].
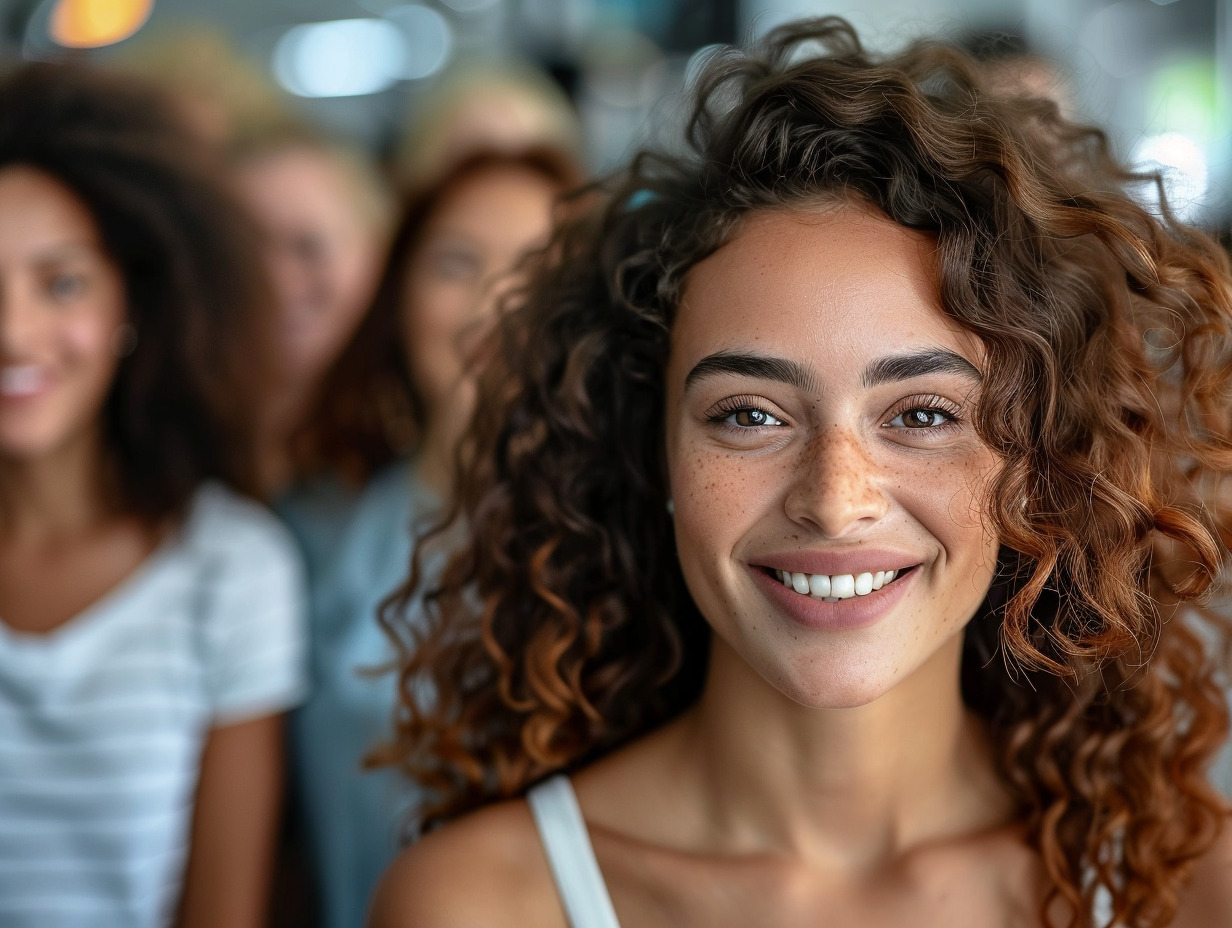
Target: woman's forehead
[{"x": 842, "y": 283}]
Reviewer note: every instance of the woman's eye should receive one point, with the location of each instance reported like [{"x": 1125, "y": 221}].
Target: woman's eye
[
  {"x": 65, "y": 287},
  {"x": 751, "y": 418},
  {"x": 921, "y": 418},
  {"x": 457, "y": 265}
]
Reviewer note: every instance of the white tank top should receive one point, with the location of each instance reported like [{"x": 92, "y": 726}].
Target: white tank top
[
  {"x": 571, "y": 857},
  {"x": 566, "y": 843}
]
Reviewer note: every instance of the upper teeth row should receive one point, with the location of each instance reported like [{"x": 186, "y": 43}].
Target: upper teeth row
[
  {"x": 836, "y": 587},
  {"x": 17, "y": 380}
]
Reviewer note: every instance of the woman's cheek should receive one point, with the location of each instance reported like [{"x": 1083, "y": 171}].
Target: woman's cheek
[
  {"x": 969, "y": 495},
  {"x": 719, "y": 494},
  {"x": 950, "y": 496},
  {"x": 88, "y": 339},
  {"x": 437, "y": 313}
]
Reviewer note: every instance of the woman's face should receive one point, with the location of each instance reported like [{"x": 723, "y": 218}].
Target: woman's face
[
  {"x": 819, "y": 435},
  {"x": 322, "y": 253},
  {"x": 62, "y": 306},
  {"x": 473, "y": 239}
]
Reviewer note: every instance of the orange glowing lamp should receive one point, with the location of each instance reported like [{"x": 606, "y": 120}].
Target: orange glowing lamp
[{"x": 93, "y": 23}]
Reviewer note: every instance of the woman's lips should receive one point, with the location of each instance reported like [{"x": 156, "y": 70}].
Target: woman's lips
[
  {"x": 855, "y": 560},
  {"x": 828, "y": 612}
]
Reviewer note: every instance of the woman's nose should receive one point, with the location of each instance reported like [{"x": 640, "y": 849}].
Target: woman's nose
[
  {"x": 836, "y": 487},
  {"x": 18, "y": 317}
]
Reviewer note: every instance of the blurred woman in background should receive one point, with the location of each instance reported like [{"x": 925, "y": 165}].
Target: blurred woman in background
[
  {"x": 393, "y": 410},
  {"x": 324, "y": 215},
  {"x": 150, "y": 617}
]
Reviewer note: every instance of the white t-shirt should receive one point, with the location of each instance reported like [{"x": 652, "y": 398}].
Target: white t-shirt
[{"x": 103, "y": 720}]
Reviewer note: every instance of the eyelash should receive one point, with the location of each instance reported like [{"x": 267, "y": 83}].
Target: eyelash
[
  {"x": 724, "y": 409},
  {"x": 931, "y": 404}
]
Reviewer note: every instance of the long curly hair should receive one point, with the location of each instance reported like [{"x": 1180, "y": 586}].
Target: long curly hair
[{"x": 563, "y": 627}]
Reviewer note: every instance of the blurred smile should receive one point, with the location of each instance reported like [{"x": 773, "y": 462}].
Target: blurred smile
[{"x": 23, "y": 381}]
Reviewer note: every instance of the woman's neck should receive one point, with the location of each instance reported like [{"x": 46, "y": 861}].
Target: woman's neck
[
  {"x": 279, "y": 419},
  {"x": 849, "y": 787},
  {"x": 57, "y": 494},
  {"x": 443, "y": 433}
]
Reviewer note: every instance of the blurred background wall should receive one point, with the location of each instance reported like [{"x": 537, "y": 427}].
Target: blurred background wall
[{"x": 1157, "y": 74}]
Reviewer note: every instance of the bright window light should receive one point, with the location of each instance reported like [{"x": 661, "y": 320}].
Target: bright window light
[
  {"x": 341, "y": 58},
  {"x": 1182, "y": 164}
]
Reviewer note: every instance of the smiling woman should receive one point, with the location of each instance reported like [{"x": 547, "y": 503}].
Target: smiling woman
[
  {"x": 827, "y": 496},
  {"x": 149, "y": 614},
  {"x": 841, "y": 450}
]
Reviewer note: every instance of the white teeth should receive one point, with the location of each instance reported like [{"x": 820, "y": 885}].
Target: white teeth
[
  {"x": 20, "y": 380},
  {"x": 832, "y": 589},
  {"x": 843, "y": 586}
]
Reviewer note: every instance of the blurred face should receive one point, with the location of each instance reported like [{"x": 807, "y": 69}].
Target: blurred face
[
  {"x": 62, "y": 303},
  {"x": 321, "y": 251},
  {"x": 829, "y": 486},
  {"x": 476, "y": 234}
]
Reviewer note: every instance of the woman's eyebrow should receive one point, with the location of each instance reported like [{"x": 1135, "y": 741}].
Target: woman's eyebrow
[
  {"x": 62, "y": 251},
  {"x": 750, "y": 365},
  {"x": 928, "y": 361},
  {"x": 884, "y": 370}
]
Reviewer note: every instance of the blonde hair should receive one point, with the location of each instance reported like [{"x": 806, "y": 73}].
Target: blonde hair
[
  {"x": 513, "y": 106},
  {"x": 222, "y": 92}
]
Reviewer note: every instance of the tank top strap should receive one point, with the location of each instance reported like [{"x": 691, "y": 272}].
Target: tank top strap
[{"x": 566, "y": 843}]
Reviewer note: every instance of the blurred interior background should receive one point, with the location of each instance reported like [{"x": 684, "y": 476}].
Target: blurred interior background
[
  {"x": 1156, "y": 73},
  {"x": 294, "y": 95}
]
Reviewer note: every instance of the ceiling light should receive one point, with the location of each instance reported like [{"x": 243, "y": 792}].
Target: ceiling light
[
  {"x": 340, "y": 58},
  {"x": 94, "y": 23}
]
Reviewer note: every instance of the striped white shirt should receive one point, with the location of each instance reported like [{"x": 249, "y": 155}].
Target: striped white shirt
[{"x": 103, "y": 720}]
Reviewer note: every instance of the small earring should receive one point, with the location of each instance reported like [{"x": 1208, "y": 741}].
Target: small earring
[
  {"x": 671, "y": 507},
  {"x": 124, "y": 340}
]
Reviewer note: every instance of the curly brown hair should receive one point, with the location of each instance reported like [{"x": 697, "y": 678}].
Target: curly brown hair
[{"x": 563, "y": 627}]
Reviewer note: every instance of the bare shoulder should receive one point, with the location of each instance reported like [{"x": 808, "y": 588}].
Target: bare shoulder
[
  {"x": 486, "y": 869},
  {"x": 1208, "y": 899}
]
